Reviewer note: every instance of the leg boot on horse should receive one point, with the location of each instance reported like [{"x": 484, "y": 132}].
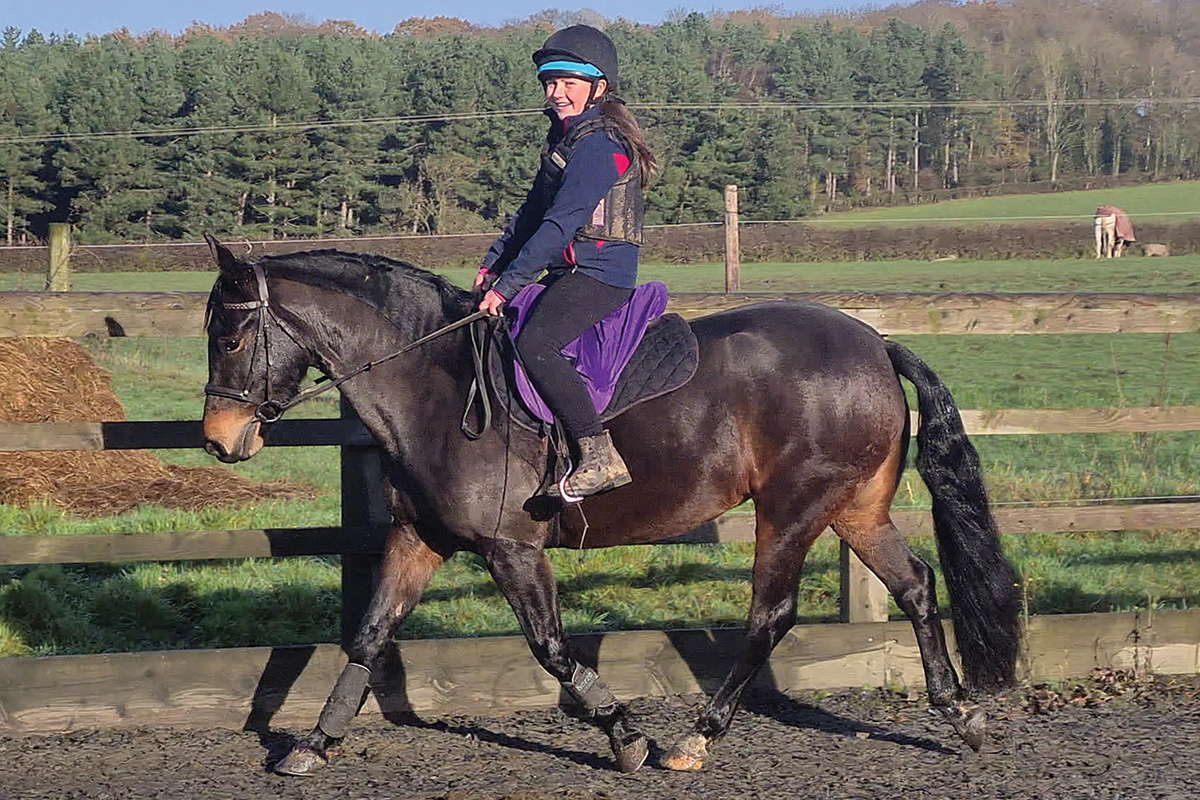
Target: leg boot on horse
[
  {"x": 408, "y": 564},
  {"x": 525, "y": 579}
]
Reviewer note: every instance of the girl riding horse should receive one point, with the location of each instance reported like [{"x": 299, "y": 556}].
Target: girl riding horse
[{"x": 581, "y": 222}]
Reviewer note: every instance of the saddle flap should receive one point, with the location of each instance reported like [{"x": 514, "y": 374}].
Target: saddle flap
[{"x": 623, "y": 360}]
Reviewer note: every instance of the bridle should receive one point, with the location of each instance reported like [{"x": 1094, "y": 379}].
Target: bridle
[{"x": 268, "y": 410}]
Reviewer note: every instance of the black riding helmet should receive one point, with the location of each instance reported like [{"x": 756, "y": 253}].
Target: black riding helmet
[{"x": 579, "y": 51}]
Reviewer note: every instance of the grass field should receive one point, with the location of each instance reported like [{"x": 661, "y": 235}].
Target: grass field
[
  {"x": 1163, "y": 202},
  {"x": 1129, "y": 274},
  {"x": 124, "y": 607}
]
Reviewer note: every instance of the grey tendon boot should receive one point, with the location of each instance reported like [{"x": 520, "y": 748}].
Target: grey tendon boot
[{"x": 600, "y": 469}]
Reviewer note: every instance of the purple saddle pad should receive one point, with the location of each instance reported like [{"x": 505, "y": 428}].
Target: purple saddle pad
[{"x": 600, "y": 352}]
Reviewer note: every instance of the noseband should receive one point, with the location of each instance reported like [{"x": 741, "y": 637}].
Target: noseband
[{"x": 268, "y": 410}]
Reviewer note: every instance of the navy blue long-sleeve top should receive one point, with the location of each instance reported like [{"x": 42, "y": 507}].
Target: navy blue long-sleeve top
[{"x": 539, "y": 238}]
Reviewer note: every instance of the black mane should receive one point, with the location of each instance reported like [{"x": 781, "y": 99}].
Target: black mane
[{"x": 394, "y": 288}]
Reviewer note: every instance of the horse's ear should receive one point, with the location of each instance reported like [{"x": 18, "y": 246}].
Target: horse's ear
[{"x": 227, "y": 262}]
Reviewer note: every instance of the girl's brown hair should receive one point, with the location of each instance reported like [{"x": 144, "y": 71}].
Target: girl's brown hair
[{"x": 614, "y": 109}]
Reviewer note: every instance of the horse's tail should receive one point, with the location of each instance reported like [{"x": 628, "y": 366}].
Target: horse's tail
[{"x": 983, "y": 586}]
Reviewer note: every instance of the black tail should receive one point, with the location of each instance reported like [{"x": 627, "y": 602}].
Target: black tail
[{"x": 983, "y": 586}]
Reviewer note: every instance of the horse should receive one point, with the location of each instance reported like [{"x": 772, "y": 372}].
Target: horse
[
  {"x": 1112, "y": 230},
  {"x": 793, "y": 405}
]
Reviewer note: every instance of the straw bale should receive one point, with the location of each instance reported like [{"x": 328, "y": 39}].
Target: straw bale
[{"x": 54, "y": 380}]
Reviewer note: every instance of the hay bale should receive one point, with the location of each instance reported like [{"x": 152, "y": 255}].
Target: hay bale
[{"x": 54, "y": 380}]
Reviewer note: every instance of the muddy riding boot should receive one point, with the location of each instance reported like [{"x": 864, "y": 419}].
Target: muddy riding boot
[{"x": 600, "y": 469}]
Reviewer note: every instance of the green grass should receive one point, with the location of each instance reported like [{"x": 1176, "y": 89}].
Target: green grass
[
  {"x": 108, "y": 608},
  {"x": 1177, "y": 201},
  {"x": 1129, "y": 274}
]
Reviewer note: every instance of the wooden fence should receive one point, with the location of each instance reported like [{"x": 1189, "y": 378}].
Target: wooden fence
[{"x": 364, "y": 515}]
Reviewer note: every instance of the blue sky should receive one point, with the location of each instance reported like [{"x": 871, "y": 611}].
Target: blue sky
[{"x": 82, "y": 17}]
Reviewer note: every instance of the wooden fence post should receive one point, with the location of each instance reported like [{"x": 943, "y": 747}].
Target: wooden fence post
[
  {"x": 733, "y": 258},
  {"x": 864, "y": 597},
  {"x": 58, "y": 273},
  {"x": 363, "y": 504}
]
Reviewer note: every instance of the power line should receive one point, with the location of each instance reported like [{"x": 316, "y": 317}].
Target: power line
[
  {"x": 801, "y": 106},
  {"x": 818, "y": 105},
  {"x": 167, "y": 133}
]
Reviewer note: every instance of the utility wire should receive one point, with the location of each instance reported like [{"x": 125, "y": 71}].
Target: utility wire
[{"x": 169, "y": 133}]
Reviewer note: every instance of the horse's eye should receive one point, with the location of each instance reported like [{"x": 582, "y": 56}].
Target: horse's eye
[{"x": 231, "y": 345}]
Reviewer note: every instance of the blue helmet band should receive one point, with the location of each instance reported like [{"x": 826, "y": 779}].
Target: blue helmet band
[{"x": 583, "y": 70}]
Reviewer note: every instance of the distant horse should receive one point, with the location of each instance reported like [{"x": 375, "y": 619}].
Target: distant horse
[
  {"x": 1113, "y": 231},
  {"x": 796, "y": 406}
]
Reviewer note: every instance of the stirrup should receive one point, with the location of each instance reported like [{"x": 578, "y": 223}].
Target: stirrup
[
  {"x": 566, "y": 496},
  {"x": 563, "y": 494}
]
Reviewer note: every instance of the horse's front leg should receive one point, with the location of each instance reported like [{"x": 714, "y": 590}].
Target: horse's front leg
[
  {"x": 524, "y": 576},
  {"x": 408, "y": 564}
]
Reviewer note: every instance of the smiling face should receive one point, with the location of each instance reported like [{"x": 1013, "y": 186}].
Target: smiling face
[{"x": 569, "y": 96}]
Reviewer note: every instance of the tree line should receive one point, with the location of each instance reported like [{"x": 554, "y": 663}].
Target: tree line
[{"x": 282, "y": 130}]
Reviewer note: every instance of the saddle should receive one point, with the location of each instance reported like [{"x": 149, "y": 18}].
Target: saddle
[{"x": 625, "y": 359}]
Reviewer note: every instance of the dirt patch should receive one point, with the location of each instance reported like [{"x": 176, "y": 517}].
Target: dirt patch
[
  {"x": 54, "y": 380},
  {"x": 1137, "y": 741}
]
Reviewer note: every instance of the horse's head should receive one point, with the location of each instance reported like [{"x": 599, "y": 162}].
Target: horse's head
[{"x": 255, "y": 365}]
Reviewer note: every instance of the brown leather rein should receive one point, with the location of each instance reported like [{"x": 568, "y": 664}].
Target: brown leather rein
[{"x": 268, "y": 410}]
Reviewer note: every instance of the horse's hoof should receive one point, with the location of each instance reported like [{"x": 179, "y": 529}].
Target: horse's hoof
[
  {"x": 969, "y": 722},
  {"x": 632, "y": 754},
  {"x": 302, "y": 761},
  {"x": 688, "y": 754}
]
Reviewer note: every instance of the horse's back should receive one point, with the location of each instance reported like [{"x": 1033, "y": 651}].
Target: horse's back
[
  {"x": 802, "y": 339},
  {"x": 780, "y": 366}
]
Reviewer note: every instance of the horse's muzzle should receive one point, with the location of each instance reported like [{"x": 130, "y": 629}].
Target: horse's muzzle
[
  {"x": 232, "y": 434},
  {"x": 214, "y": 449}
]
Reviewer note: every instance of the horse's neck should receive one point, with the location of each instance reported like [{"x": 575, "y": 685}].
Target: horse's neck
[{"x": 347, "y": 334}]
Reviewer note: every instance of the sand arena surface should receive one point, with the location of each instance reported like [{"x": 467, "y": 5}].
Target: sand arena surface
[{"x": 1110, "y": 738}]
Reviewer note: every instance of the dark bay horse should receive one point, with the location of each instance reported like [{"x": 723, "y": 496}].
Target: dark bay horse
[{"x": 794, "y": 405}]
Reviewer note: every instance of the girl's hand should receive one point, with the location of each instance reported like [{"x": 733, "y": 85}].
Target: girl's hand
[
  {"x": 481, "y": 279},
  {"x": 491, "y": 303}
]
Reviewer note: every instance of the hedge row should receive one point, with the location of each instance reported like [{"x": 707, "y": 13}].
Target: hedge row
[{"x": 778, "y": 242}]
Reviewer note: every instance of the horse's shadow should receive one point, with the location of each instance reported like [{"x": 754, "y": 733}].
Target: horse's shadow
[
  {"x": 785, "y": 710},
  {"x": 285, "y": 665}
]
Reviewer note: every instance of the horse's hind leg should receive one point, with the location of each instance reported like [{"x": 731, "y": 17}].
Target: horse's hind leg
[
  {"x": 870, "y": 532},
  {"x": 780, "y": 550},
  {"x": 408, "y": 564},
  {"x": 524, "y": 576}
]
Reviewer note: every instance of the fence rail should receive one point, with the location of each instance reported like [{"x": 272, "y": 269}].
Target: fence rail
[
  {"x": 98, "y": 548},
  {"x": 181, "y": 314}
]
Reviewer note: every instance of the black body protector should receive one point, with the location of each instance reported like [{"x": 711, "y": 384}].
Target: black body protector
[{"x": 619, "y": 215}]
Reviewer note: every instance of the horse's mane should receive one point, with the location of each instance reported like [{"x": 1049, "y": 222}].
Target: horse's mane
[{"x": 395, "y": 288}]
